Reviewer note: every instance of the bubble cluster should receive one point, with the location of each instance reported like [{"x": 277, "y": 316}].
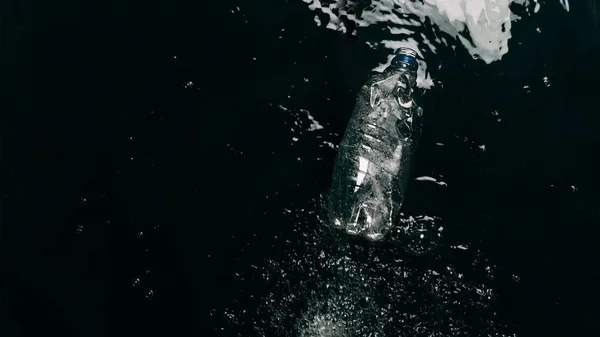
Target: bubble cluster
[{"x": 325, "y": 283}]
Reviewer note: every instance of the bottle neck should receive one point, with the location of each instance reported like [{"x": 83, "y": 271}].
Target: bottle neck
[{"x": 407, "y": 77}]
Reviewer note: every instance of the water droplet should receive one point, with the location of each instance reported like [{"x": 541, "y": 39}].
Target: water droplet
[
  {"x": 546, "y": 81},
  {"x": 149, "y": 294},
  {"x": 317, "y": 20}
]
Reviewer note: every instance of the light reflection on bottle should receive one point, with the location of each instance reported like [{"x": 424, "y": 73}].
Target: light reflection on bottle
[{"x": 375, "y": 155}]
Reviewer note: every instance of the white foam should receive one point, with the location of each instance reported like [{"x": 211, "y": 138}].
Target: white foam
[{"x": 483, "y": 27}]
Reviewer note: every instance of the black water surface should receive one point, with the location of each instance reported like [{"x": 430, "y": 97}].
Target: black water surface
[{"x": 140, "y": 140}]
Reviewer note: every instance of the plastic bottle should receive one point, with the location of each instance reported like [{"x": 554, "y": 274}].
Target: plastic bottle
[{"x": 374, "y": 158}]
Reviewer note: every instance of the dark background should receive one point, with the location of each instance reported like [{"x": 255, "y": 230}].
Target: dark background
[{"x": 87, "y": 210}]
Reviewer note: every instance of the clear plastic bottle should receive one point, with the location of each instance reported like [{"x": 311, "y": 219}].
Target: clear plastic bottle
[{"x": 374, "y": 158}]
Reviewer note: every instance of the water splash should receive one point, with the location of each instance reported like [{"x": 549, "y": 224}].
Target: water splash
[
  {"x": 324, "y": 284},
  {"x": 483, "y": 27}
]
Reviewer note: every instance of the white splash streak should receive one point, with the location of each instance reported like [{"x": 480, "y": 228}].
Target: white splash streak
[{"x": 427, "y": 178}]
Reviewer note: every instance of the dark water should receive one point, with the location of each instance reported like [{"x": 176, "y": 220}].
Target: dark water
[{"x": 146, "y": 161}]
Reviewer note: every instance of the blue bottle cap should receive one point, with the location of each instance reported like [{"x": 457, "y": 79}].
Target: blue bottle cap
[{"x": 407, "y": 55}]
